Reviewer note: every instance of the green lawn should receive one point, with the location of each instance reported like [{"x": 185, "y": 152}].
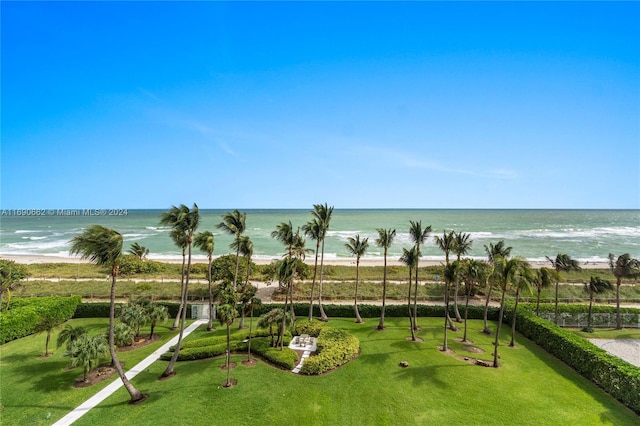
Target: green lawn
[{"x": 531, "y": 387}]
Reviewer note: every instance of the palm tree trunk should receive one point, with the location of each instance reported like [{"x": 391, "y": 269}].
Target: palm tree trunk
[
  {"x": 355, "y": 299},
  {"x": 466, "y": 313},
  {"x": 250, "y": 329},
  {"x": 210, "y": 324},
  {"x": 496, "y": 343},
  {"x": 235, "y": 275},
  {"x": 618, "y": 318},
  {"x": 179, "y": 314},
  {"x": 486, "y": 330},
  {"x": 46, "y": 345},
  {"x": 384, "y": 292},
  {"x": 538, "y": 302},
  {"x": 446, "y": 314},
  {"x": 228, "y": 382},
  {"x": 415, "y": 301},
  {"x": 556, "y": 311},
  {"x": 513, "y": 320},
  {"x": 455, "y": 302},
  {"x": 313, "y": 282},
  {"x": 133, "y": 392},
  {"x": 283, "y": 327},
  {"x": 174, "y": 358},
  {"x": 590, "y": 305},
  {"x": 323, "y": 316},
  {"x": 413, "y": 333}
]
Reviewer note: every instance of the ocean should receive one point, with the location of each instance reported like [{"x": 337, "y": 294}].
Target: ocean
[{"x": 586, "y": 235}]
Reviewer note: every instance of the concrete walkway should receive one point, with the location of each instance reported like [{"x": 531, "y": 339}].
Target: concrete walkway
[
  {"x": 308, "y": 348},
  {"x": 96, "y": 399}
]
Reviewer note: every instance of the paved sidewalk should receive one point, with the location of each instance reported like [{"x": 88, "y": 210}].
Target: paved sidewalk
[{"x": 82, "y": 409}]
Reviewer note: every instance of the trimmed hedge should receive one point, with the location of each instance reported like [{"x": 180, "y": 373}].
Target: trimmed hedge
[
  {"x": 25, "y": 315},
  {"x": 617, "y": 377},
  {"x": 101, "y": 309},
  {"x": 336, "y": 347},
  {"x": 313, "y": 328}
]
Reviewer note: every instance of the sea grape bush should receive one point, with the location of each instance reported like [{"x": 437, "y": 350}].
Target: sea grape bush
[{"x": 335, "y": 347}]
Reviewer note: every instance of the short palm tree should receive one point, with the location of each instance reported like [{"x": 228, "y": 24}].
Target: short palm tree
[
  {"x": 156, "y": 314},
  {"x": 47, "y": 324},
  {"x": 205, "y": 242},
  {"x": 410, "y": 259},
  {"x": 544, "y": 277},
  {"x": 322, "y": 212},
  {"x": 10, "y": 275},
  {"x": 521, "y": 281},
  {"x": 418, "y": 236},
  {"x": 595, "y": 286},
  {"x": 184, "y": 221},
  {"x": 384, "y": 240},
  {"x": 227, "y": 313},
  {"x": 446, "y": 244},
  {"x": 139, "y": 251},
  {"x": 69, "y": 334},
  {"x": 313, "y": 230},
  {"x": 87, "y": 351},
  {"x": 234, "y": 223},
  {"x": 450, "y": 275},
  {"x": 461, "y": 245},
  {"x": 253, "y": 302},
  {"x": 103, "y": 246},
  {"x": 499, "y": 250},
  {"x": 562, "y": 262},
  {"x": 622, "y": 267},
  {"x": 357, "y": 247}
]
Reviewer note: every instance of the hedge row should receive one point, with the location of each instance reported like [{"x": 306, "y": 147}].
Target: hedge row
[
  {"x": 335, "y": 347},
  {"x": 564, "y": 308},
  {"x": 101, "y": 309},
  {"x": 615, "y": 376},
  {"x": 23, "y": 317}
]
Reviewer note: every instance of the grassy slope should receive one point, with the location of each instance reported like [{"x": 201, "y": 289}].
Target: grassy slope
[{"x": 530, "y": 388}]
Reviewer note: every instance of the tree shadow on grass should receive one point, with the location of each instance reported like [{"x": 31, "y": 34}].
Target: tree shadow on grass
[{"x": 419, "y": 375}]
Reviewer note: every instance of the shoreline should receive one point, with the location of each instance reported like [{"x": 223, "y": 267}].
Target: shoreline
[{"x": 35, "y": 259}]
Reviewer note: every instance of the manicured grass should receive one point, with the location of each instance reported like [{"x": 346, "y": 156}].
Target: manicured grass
[
  {"x": 531, "y": 387},
  {"x": 609, "y": 333},
  {"x": 39, "y": 391}
]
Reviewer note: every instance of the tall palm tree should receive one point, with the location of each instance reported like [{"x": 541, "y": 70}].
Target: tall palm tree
[
  {"x": 234, "y": 223},
  {"x": 410, "y": 259},
  {"x": 562, "y": 262},
  {"x": 286, "y": 270},
  {"x": 450, "y": 275},
  {"x": 205, "y": 242},
  {"x": 384, "y": 240},
  {"x": 182, "y": 220},
  {"x": 594, "y": 286},
  {"x": 103, "y": 246},
  {"x": 227, "y": 313},
  {"x": 445, "y": 243},
  {"x": 284, "y": 233},
  {"x": 180, "y": 239},
  {"x": 357, "y": 248},
  {"x": 622, "y": 267},
  {"x": 418, "y": 236},
  {"x": 253, "y": 302},
  {"x": 461, "y": 246},
  {"x": 504, "y": 273},
  {"x": 313, "y": 230},
  {"x": 472, "y": 273},
  {"x": 246, "y": 250},
  {"x": 544, "y": 277},
  {"x": 499, "y": 250},
  {"x": 322, "y": 212},
  {"x": 522, "y": 281}
]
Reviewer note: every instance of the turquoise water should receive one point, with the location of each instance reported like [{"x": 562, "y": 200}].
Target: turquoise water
[{"x": 587, "y": 235}]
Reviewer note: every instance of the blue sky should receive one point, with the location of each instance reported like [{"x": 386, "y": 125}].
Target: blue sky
[{"x": 282, "y": 105}]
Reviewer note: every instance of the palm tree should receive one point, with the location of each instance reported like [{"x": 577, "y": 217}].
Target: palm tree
[
  {"x": 234, "y": 223},
  {"x": 323, "y": 214},
  {"x": 622, "y": 267},
  {"x": 284, "y": 234},
  {"x": 275, "y": 318},
  {"x": 410, "y": 259},
  {"x": 139, "y": 251},
  {"x": 461, "y": 246},
  {"x": 384, "y": 240},
  {"x": 182, "y": 220},
  {"x": 445, "y": 243},
  {"x": 450, "y": 275},
  {"x": 595, "y": 285},
  {"x": 493, "y": 252},
  {"x": 505, "y": 273},
  {"x": 48, "y": 323},
  {"x": 294, "y": 244},
  {"x": 246, "y": 250},
  {"x": 10, "y": 275},
  {"x": 285, "y": 273},
  {"x": 134, "y": 315},
  {"x": 69, "y": 334},
  {"x": 103, "y": 246},
  {"x": 156, "y": 314},
  {"x": 357, "y": 248},
  {"x": 205, "y": 242},
  {"x": 253, "y": 302},
  {"x": 418, "y": 237},
  {"x": 472, "y": 273},
  {"x": 87, "y": 351},
  {"x": 522, "y": 281},
  {"x": 562, "y": 262},
  {"x": 180, "y": 239},
  {"x": 227, "y": 313},
  {"x": 313, "y": 230},
  {"x": 544, "y": 277}
]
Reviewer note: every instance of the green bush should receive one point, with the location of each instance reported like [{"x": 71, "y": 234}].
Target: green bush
[
  {"x": 285, "y": 358},
  {"x": 335, "y": 348},
  {"x": 615, "y": 376},
  {"x": 101, "y": 309},
  {"x": 25, "y": 315},
  {"x": 132, "y": 265},
  {"x": 312, "y": 328}
]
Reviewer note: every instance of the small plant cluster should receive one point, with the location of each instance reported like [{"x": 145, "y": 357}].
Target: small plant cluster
[
  {"x": 101, "y": 309},
  {"x": 336, "y": 347},
  {"x": 615, "y": 376},
  {"x": 25, "y": 316}
]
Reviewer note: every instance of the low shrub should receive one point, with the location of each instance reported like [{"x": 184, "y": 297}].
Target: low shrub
[
  {"x": 285, "y": 358},
  {"x": 335, "y": 348},
  {"x": 101, "y": 309},
  {"x": 312, "y": 328}
]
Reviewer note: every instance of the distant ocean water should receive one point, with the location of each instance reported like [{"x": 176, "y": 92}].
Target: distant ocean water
[{"x": 586, "y": 235}]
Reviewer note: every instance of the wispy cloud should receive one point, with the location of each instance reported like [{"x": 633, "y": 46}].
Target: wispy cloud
[{"x": 224, "y": 147}]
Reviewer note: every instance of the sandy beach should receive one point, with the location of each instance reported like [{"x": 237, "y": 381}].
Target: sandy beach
[{"x": 367, "y": 261}]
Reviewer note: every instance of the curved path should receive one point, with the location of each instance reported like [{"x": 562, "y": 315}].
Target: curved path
[{"x": 96, "y": 399}]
